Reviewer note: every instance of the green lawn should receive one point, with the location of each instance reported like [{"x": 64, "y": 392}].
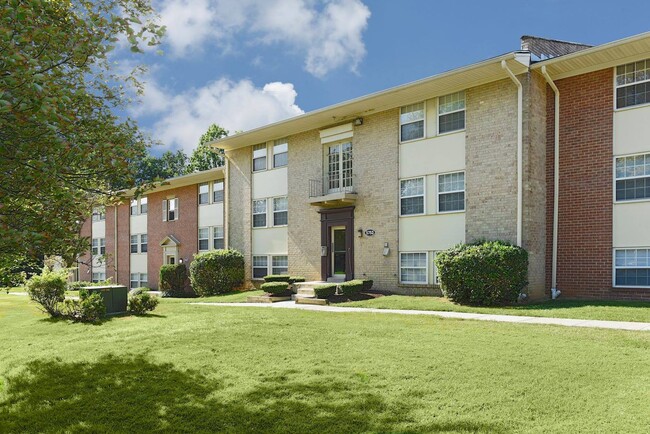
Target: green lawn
[
  {"x": 191, "y": 368},
  {"x": 601, "y": 310},
  {"x": 234, "y": 297}
]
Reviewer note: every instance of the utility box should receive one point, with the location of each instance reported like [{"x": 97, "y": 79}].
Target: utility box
[{"x": 115, "y": 297}]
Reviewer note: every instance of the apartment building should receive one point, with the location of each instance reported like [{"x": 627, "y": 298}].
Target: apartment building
[
  {"x": 166, "y": 225},
  {"x": 546, "y": 147}
]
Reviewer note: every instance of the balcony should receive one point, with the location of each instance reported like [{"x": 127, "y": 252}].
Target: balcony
[{"x": 333, "y": 191}]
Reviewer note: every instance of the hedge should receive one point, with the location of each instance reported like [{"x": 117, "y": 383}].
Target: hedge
[
  {"x": 217, "y": 272},
  {"x": 277, "y": 278},
  {"x": 367, "y": 284},
  {"x": 325, "y": 290},
  {"x": 296, "y": 279},
  {"x": 484, "y": 273},
  {"x": 275, "y": 287},
  {"x": 351, "y": 287},
  {"x": 173, "y": 280}
]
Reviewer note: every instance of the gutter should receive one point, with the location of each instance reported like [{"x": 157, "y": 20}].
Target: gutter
[
  {"x": 556, "y": 180},
  {"x": 520, "y": 147}
]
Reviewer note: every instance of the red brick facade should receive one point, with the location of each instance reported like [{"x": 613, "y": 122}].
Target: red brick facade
[{"x": 123, "y": 247}]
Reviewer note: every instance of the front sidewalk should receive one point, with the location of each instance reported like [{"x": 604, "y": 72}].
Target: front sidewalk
[{"x": 617, "y": 325}]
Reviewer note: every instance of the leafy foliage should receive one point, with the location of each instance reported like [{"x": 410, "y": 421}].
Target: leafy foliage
[
  {"x": 61, "y": 142},
  {"x": 15, "y": 269},
  {"x": 485, "y": 273},
  {"x": 325, "y": 291},
  {"x": 277, "y": 278},
  {"x": 142, "y": 302},
  {"x": 168, "y": 165},
  {"x": 217, "y": 272},
  {"x": 89, "y": 307},
  {"x": 275, "y": 288},
  {"x": 296, "y": 279},
  {"x": 203, "y": 156},
  {"x": 173, "y": 280},
  {"x": 48, "y": 290},
  {"x": 367, "y": 284},
  {"x": 351, "y": 287}
]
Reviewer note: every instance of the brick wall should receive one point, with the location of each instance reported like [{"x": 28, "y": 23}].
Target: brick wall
[
  {"x": 185, "y": 229},
  {"x": 110, "y": 244},
  {"x": 123, "y": 243},
  {"x": 238, "y": 200}
]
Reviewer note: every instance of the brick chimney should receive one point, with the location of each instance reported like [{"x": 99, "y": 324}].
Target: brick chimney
[{"x": 543, "y": 48}]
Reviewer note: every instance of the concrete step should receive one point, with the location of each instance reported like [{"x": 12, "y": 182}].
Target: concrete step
[
  {"x": 302, "y": 296},
  {"x": 306, "y": 291}
]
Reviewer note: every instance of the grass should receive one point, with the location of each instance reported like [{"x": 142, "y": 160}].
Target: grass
[
  {"x": 599, "y": 310},
  {"x": 232, "y": 297},
  {"x": 192, "y": 368}
]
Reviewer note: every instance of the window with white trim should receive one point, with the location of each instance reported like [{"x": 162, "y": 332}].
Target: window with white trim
[
  {"x": 280, "y": 264},
  {"x": 138, "y": 206},
  {"x": 633, "y": 177},
  {"x": 632, "y": 267},
  {"x": 259, "y": 157},
  {"x": 170, "y": 209},
  {"x": 94, "y": 250},
  {"x": 204, "y": 239},
  {"x": 280, "y": 211},
  {"x": 99, "y": 214},
  {"x": 280, "y": 153},
  {"x": 134, "y": 244},
  {"x": 411, "y": 196},
  {"x": 98, "y": 246},
  {"x": 134, "y": 207},
  {"x": 411, "y": 122},
  {"x": 451, "y": 112},
  {"x": 259, "y": 213},
  {"x": 98, "y": 277},
  {"x": 633, "y": 84},
  {"x": 217, "y": 238},
  {"x": 451, "y": 192},
  {"x": 413, "y": 268},
  {"x": 144, "y": 247},
  {"x": 143, "y": 205},
  {"x": 217, "y": 191},
  {"x": 204, "y": 194},
  {"x": 139, "y": 280},
  {"x": 260, "y": 266}
]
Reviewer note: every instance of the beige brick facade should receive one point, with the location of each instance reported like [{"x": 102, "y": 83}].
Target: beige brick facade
[{"x": 238, "y": 202}]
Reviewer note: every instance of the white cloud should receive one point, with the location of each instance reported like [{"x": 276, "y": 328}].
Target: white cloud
[
  {"x": 328, "y": 34},
  {"x": 234, "y": 105}
]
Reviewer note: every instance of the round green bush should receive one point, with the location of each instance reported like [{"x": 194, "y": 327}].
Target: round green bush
[
  {"x": 275, "y": 287},
  {"x": 486, "y": 273},
  {"x": 173, "y": 280},
  {"x": 142, "y": 302},
  {"x": 217, "y": 272},
  {"x": 325, "y": 290},
  {"x": 48, "y": 290},
  {"x": 351, "y": 287}
]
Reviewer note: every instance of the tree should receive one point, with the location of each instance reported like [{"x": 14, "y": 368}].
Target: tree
[
  {"x": 61, "y": 143},
  {"x": 204, "y": 157},
  {"x": 168, "y": 165}
]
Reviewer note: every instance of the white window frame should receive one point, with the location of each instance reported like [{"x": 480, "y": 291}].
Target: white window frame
[
  {"x": 424, "y": 120},
  {"x": 222, "y": 190},
  {"x": 266, "y": 157},
  {"x": 101, "y": 276},
  {"x": 144, "y": 241},
  {"x": 136, "y": 244},
  {"x": 94, "y": 247},
  {"x": 214, "y": 237},
  {"x": 616, "y": 178},
  {"x": 617, "y": 86},
  {"x": 133, "y": 208},
  {"x": 438, "y": 192},
  {"x": 144, "y": 203},
  {"x": 280, "y": 211},
  {"x": 139, "y": 281},
  {"x": 206, "y": 194},
  {"x": 273, "y": 267},
  {"x": 424, "y": 196},
  {"x": 438, "y": 114},
  {"x": 167, "y": 209},
  {"x": 266, "y": 213},
  {"x": 624, "y": 267},
  {"x": 253, "y": 266},
  {"x": 99, "y": 214},
  {"x": 276, "y": 144},
  {"x": 206, "y": 230},
  {"x": 426, "y": 268}
]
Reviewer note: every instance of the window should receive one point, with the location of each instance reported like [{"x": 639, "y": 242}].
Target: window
[
  {"x": 413, "y": 268},
  {"x": 98, "y": 277},
  {"x": 170, "y": 209},
  {"x": 632, "y": 267},
  {"x": 142, "y": 208},
  {"x": 451, "y": 112},
  {"x": 280, "y": 217},
  {"x": 260, "y": 266},
  {"x": 95, "y": 247},
  {"x": 134, "y": 244},
  {"x": 99, "y": 214},
  {"x": 280, "y": 153},
  {"x": 204, "y": 194},
  {"x": 204, "y": 235},
  {"x": 280, "y": 265},
  {"x": 339, "y": 176},
  {"x": 411, "y": 122},
  {"x": 217, "y": 192},
  {"x": 217, "y": 238},
  {"x": 259, "y": 157},
  {"x": 143, "y": 205},
  {"x": 633, "y": 177},
  {"x": 259, "y": 213},
  {"x": 98, "y": 246},
  {"x": 143, "y": 243},
  {"x": 451, "y": 192},
  {"x": 134, "y": 207},
  {"x": 633, "y": 84},
  {"x": 412, "y": 196},
  {"x": 138, "y": 280}
]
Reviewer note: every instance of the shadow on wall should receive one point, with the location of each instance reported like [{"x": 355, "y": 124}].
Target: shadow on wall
[{"x": 133, "y": 395}]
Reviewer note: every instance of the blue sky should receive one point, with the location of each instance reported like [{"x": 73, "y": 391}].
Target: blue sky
[{"x": 246, "y": 63}]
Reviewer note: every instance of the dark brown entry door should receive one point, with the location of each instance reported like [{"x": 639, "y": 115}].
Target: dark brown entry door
[{"x": 337, "y": 243}]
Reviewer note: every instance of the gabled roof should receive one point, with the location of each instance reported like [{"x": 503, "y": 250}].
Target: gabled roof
[
  {"x": 448, "y": 82},
  {"x": 170, "y": 240},
  {"x": 182, "y": 181}
]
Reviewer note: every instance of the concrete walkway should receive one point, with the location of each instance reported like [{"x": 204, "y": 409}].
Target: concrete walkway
[{"x": 617, "y": 325}]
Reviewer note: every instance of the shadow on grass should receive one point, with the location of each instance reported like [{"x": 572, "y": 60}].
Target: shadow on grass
[
  {"x": 105, "y": 319},
  {"x": 567, "y": 304},
  {"x": 133, "y": 395}
]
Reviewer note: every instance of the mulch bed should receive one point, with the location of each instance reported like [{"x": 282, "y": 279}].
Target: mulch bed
[{"x": 368, "y": 295}]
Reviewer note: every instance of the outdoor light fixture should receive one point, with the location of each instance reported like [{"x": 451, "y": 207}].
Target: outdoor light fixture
[
  {"x": 180, "y": 261},
  {"x": 386, "y": 249},
  {"x": 358, "y": 121}
]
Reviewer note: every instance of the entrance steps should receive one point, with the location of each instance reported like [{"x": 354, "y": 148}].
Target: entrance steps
[{"x": 305, "y": 289}]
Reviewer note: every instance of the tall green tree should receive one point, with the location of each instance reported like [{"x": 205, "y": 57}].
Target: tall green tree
[
  {"x": 61, "y": 141},
  {"x": 168, "y": 165},
  {"x": 204, "y": 157}
]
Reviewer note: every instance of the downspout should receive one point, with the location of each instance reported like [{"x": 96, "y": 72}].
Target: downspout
[
  {"x": 520, "y": 147},
  {"x": 556, "y": 181}
]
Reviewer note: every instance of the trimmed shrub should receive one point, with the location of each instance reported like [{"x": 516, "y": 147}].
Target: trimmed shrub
[
  {"x": 296, "y": 279},
  {"x": 275, "y": 287},
  {"x": 367, "y": 284},
  {"x": 173, "y": 280},
  {"x": 48, "y": 290},
  {"x": 351, "y": 287},
  {"x": 325, "y": 291},
  {"x": 89, "y": 307},
  {"x": 217, "y": 272},
  {"x": 277, "y": 278},
  {"x": 484, "y": 273},
  {"x": 142, "y": 302}
]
